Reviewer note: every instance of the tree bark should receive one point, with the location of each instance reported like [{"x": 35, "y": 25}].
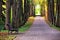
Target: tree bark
[
  {"x": 51, "y": 11},
  {"x": 14, "y": 13},
  {"x": 8, "y": 9},
  {"x": 19, "y": 12},
  {"x": 25, "y": 10},
  {"x": 58, "y": 13}
]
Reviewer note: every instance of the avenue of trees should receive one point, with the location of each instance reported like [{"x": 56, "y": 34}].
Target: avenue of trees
[
  {"x": 54, "y": 12},
  {"x": 17, "y": 12},
  {"x": 51, "y": 10}
]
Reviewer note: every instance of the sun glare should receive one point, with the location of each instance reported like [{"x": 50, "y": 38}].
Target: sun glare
[{"x": 37, "y": 9}]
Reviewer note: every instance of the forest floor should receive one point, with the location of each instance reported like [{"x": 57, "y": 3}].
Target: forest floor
[{"x": 39, "y": 30}]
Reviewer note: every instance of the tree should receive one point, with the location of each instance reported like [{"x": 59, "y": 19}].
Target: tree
[
  {"x": 25, "y": 10},
  {"x": 19, "y": 12},
  {"x": 51, "y": 11},
  {"x": 8, "y": 9},
  {"x": 14, "y": 5},
  {"x": 58, "y": 13}
]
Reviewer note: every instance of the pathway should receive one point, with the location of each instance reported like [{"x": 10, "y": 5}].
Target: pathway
[{"x": 39, "y": 30}]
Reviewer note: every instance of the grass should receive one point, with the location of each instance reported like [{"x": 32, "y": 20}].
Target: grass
[{"x": 27, "y": 25}]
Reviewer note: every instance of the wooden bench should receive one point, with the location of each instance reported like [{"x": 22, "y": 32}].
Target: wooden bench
[{"x": 11, "y": 29}]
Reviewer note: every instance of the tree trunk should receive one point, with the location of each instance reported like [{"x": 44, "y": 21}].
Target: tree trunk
[
  {"x": 8, "y": 7},
  {"x": 14, "y": 13},
  {"x": 25, "y": 10},
  {"x": 19, "y": 12},
  {"x": 58, "y": 13},
  {"x": 51, "y": 11},
  {"x": 28, "y": 8}
]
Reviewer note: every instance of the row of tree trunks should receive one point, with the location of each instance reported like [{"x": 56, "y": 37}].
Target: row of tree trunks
[
  {"x": 17, "y": 13},
  {"x": 18, "y": 16},
  {"x": 54, "y": 19},
  {"x": 58, "y": 13},
  {"x": 26, "y": 12}
]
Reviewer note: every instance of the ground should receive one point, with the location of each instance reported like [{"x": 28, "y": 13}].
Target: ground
[{"x": 39, "y": 30}]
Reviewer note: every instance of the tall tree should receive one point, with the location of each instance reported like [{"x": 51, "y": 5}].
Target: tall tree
[
  {"x": 51, "y": 11},
  {"x": 28, "y": 8},
  {"x": 19, "y": 12},
  {"x": 8, "y": 7},
  {"x": 25, "y": 10},
  {"x": 14, "y": 5}
]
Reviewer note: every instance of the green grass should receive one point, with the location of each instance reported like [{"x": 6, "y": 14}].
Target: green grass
[
  {"x": 27, "y": 25},
  {"x": 55, "y": 27}
]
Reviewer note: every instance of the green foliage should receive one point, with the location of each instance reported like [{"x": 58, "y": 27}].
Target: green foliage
[
  {"x": 4, "y": 1},
  {"x": 4, "y": 6},
  {"x": 37, "y": 9},
  {"x": 2, "y": 20},
  {"x": 55, "y": 27}
]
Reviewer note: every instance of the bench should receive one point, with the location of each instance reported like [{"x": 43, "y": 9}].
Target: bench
[{"x": 11, "y": 29}]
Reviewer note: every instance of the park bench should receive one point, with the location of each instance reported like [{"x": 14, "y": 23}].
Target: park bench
[{"x": 11, "y": 29}]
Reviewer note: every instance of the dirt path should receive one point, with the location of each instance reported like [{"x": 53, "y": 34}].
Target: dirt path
[{"x": 39, "y": 30}]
